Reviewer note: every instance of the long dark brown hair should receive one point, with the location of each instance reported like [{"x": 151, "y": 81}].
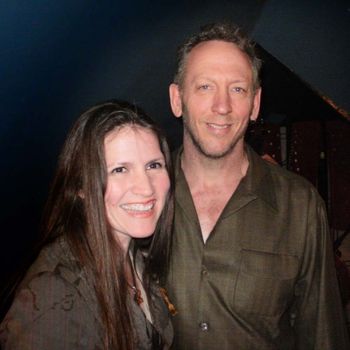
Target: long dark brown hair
[{"x": 76, "y": 210}]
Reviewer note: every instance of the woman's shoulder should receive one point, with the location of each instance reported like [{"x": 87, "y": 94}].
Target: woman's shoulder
[
  {"x": 52, "y": 280},
  {"x": 52, "y": 299},
  {"x": 47, "y": 312},
  {"x": 55, "y": 260}
]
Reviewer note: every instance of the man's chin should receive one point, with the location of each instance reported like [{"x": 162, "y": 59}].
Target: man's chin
[{"x": 212, "y": 153}]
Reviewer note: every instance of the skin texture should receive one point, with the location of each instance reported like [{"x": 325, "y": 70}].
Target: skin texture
[
  {"x": 216, "y": 99},
  {"x": 137, "y": 183}
]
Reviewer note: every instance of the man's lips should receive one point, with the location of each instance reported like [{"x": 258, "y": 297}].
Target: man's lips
[{"x": 218, "y": 126}]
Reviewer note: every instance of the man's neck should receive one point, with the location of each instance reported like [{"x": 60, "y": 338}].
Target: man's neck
[
  {"x": 201, "y": 170},
  {"x": 212, "y": 182}
]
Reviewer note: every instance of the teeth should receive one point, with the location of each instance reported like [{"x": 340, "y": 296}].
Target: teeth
[
  {"x": 138, "y": 206},
  {"x": 216, "y": 126}
]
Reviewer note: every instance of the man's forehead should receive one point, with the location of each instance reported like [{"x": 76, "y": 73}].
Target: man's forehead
[{"x": 218, "y": 56}]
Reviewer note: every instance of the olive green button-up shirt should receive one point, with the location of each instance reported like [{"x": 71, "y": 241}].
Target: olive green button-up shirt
[{"x": 265, "y": 277}]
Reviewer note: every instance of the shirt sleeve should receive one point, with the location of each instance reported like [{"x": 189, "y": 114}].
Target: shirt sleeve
[
  {"x": 319, "y": 317},
  {"x": 47, "y": 313}
]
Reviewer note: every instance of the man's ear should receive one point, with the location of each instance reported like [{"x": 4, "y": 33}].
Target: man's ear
[
  {"x": 256, "y": 105},
  {"x": 175, "y": 99}
]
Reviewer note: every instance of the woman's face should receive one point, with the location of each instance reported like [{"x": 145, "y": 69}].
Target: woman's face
[{"x": 137, "y": 182}]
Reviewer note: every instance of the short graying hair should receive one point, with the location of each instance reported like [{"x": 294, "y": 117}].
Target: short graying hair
[{"x": 224, "y": 31}]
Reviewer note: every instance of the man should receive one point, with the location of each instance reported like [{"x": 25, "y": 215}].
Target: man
[{"x": 252, "y": 266}]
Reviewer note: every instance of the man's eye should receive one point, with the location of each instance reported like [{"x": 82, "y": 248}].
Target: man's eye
[
  {"x": 204, "y": 87},
  {"x": 238, "y": 89},
  {"x": 119, "y": 169}
]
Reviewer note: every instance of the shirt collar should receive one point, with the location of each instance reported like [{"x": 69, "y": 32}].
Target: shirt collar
[
  {"x": 258, "y": 179},
  {"x": 257, "y": 183}
]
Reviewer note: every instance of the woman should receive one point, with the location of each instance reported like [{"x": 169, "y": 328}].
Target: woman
[{"x": 93, "y": 286}]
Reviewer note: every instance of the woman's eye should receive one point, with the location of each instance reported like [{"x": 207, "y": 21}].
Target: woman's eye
[
  {"x": 155, "y": 165},
  {"x": 119, "y": 169}
]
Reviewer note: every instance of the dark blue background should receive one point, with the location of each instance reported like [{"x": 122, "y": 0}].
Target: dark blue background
[{"x": 59, "y": 57}]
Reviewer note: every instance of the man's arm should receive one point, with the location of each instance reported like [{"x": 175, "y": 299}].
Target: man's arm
[{"x": 320, "y": 322}]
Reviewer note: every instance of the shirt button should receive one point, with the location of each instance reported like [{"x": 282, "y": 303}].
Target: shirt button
[
  {"x": 204, "y": 272},
  {"x": 204, "y": 326}
]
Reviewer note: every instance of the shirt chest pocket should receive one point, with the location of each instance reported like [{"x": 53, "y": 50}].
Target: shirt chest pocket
[{"x": 265, "y": 282}]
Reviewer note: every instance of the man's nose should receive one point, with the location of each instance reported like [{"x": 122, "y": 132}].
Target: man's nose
[{"x": 222, "y": 102}]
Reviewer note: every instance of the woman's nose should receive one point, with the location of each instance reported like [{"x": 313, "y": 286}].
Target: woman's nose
[{"x": 143, "y": 184}]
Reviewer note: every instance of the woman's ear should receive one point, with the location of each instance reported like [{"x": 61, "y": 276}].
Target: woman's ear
[{"x": 175, "y": 99}]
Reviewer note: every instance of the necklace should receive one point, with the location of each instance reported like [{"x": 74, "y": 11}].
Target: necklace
[
  {"x": 137, "y": 295},
  {"x": 137, "y": 292}
]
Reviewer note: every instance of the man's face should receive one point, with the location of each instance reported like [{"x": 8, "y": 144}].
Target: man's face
[{"x": 216, "y": 98}]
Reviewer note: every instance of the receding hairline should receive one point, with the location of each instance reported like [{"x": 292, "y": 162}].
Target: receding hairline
[
  {"x": 189, "y": 53},
  {"x": 220, "y": 31}
]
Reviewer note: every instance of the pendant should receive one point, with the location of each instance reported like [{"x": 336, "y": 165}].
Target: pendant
[{"x": 137, "y": 295}]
